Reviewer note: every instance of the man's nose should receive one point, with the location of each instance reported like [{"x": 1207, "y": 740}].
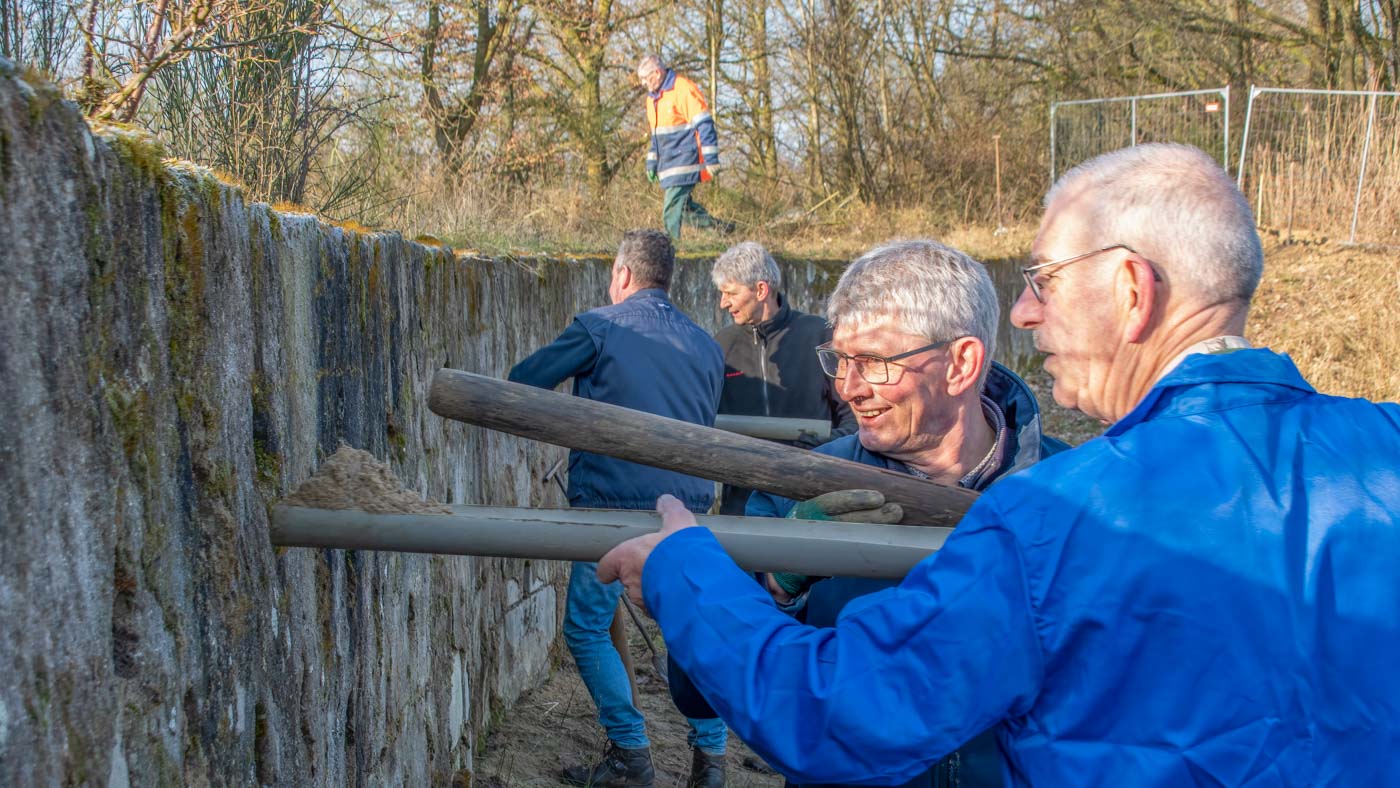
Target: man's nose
[
  {"x": 852, "y": 386},
  {"x": 1027, "y": 311}
]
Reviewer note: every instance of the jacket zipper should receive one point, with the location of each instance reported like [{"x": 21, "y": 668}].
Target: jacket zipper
[{"x": 763, "y": 370}]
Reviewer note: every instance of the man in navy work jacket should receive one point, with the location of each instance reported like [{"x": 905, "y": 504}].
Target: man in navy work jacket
[
  {"x": 1204, "y": 595},
  {"x": 641, "y": 353},
  {"x": 943, "y": 411}
]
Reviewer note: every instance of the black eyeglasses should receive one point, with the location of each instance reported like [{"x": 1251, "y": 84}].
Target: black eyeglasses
[
  {"x": 1029, "y": 272},
  {"x": 872, "y": 369}
]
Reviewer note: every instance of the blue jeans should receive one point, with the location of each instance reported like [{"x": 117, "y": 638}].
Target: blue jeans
[{"x": 588, "y": 612}]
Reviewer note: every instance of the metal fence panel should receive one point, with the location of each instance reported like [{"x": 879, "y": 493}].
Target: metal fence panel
[
  {"x": 1081, "y": 130},
  {"x": 1323, "y": 161}
]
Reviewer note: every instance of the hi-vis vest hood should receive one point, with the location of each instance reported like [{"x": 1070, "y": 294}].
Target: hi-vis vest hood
[{"x": 683, "y": 139}]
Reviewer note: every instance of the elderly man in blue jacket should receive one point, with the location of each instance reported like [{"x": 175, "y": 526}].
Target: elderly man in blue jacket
[
  {"x": 1205, "y": 595},
  {"x": 641, "y": 353}
]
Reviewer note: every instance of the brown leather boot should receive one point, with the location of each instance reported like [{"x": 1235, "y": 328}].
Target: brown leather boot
[
  {"x": 706, "y": 770},
  {"x": 619, "y": 768}
]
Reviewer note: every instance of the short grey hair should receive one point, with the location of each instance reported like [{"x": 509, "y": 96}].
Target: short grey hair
[
  {"x": 924, "y": 288},
  {"x": 649, "y": 255},
  {"x": 747, "y": 263},
  {"x": 650, "y": 62},
  {"x": 1174, "y": 205}
]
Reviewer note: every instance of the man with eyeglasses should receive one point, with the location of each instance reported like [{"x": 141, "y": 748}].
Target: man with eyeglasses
[
  {"x": 914, "y": 327},
  {"x": 1205, "y": 595}
]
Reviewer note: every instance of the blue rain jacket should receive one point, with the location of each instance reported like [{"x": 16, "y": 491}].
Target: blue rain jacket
[
  {"x": 1208, "y": 594},
  {"x": 643, "y": 354}
]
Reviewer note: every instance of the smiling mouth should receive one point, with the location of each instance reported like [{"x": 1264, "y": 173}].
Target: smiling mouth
[{"x": 870, "y": 414}]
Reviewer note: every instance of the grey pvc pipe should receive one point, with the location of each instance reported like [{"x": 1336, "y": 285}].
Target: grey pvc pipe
[
  {"x": 772, "y": 427},
  {"x": 756, "y": 543}
]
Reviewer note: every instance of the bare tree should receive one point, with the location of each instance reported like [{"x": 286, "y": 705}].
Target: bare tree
[
  {"x": 38, "y": 33},
  {"x": 470, "y": 44},
  {"x": 264, "y": 96},
  {"x": 589, "y": 97}
]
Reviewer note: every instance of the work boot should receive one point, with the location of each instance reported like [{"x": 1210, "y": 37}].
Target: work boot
[
  {"x": 706, "y": 770},
  {"x": 620, "y": 768}
]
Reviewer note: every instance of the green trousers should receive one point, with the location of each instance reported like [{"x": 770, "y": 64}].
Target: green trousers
[{"x": 678, "y": 207}]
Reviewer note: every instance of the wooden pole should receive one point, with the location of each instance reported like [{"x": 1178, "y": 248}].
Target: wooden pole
[
  {"x": 618, "y": 632},
  {"x": 760, "y": 544},
  {"x": 600, "y": 428},
  {"x": 996, "y": 146},
  {"x": 1292, "y": 199}
]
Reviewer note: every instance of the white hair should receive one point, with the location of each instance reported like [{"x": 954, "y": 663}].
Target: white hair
[
  {"x": 747, "y": 263},
  {"x": 1175, "y": 206},
  {"x": 923, "y": 288},
  {"x": 649, "y": 63}
]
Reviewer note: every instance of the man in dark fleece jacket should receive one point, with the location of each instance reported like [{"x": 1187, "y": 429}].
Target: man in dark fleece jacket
[
  {"x": 641, "y": 353},
  {"x": 770, "y": 361},
  {"x": 770, "y": 369}
]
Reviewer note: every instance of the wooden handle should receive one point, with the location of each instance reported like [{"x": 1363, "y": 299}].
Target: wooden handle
[{"x": 600, "y": 428}]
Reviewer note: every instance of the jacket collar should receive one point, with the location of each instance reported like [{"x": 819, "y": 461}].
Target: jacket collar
[
  {"x": 1018, "y": 404},
  {"x": 667, "y": 82},
  {"x": 650, "y": 292},
  {"x": 1006, "y": 392},
  {"x": 1200, "y": 384},
  {"x": 775, "y": 323}
]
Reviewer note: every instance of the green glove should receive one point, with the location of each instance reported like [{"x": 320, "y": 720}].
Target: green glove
[
  {"x": 651, "y": 176},
  {"x": 850, "y": 506}
]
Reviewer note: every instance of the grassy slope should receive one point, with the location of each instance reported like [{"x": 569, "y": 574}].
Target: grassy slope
[{"x": 1334, "y": 310}]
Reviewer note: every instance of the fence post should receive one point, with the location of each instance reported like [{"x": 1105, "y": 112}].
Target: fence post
[
  {"x": 1226, "y": 152},
  {"x": 1244, "y": 139},
  {"x": 1053, "y": 105},
  {"x": 1132, "y": 141},
  {"x": 1361, "y": 176}
]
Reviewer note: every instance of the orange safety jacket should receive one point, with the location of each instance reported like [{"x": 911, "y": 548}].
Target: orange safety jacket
[{"x": 684, "y": 146}]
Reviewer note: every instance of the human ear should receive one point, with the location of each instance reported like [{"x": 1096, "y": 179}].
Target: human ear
[
  {"x": 1137, "y": 297},
  {"x": 965, "y": 358}
]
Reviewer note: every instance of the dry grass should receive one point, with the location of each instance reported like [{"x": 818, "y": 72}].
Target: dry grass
[
  {"x": 1334, "y": 310},
  {"x": 1305, "y": 160},
  {"x": 493, "y": 217}
]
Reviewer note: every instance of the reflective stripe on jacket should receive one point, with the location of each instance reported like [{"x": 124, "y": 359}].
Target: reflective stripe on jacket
[
  {"x": 1205, "y": 595},
  {"x": 683, "y": 139}
]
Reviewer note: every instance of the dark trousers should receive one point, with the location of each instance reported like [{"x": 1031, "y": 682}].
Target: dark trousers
[{"x": 678, "y": 207}]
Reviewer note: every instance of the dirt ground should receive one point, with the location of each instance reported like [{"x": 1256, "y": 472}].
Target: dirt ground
[{"x": 555, "y": 726}]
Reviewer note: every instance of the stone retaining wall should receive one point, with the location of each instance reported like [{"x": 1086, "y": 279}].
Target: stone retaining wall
[{"x": 172, "y": 360}]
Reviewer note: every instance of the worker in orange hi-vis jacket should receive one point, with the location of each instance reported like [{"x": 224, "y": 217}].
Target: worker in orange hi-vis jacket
[{"x": 684, "y": 147}]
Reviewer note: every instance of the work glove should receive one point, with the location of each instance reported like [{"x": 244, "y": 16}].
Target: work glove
[
  {"x": 807, "y": 440},
  {"x": 651, "y": 176},
  {"x": 850, "y": 506}
]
